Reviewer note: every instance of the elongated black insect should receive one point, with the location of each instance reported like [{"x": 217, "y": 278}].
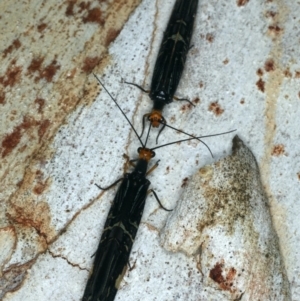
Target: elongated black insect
[
  {"x": 170, "y": 61},
  {"x": 112, "y": 255}
]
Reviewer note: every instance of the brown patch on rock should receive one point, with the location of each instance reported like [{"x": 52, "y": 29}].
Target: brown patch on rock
[
  {"x": 241, "y": 2},
  {"x": 196, "y": 100},
  {"x": 2, "y": 98},
  {"x": 184, "y": 182},
  {"x": 35, "y": 215},
  {"x": 43, "y": 126},
  {"x": 274, "y": 30},
  {"x": 90, "y": 63},
  {"x": 287, "y": 73},
  {"x": 260, "y": 85},
  {"x": 49, "y": 71},
  {"x": 41, "y": 27},
  {"x": 41, "y": 103},
  {"x": 226, "y": 61},
  {"x": 269, "y": 65},
  {"x": 69, "y": 10},
  {"x": 12, "y": 75},
  {"x": 12, "y": 140},
  {"x": 278, "y": 150},
  {"x": 16, "y": 44},
  {"x": 35, "y": 65},
  {"x": 94, "y": 16},
  {"x": 225, "y": 283},
  {"x": 209, "y": 37},
  {"x": 216, "y": 108},
  {"x": 111, "y": 36},
  {"x": 41, "y": 184},
  {"x": 271, "y": 14},
  {"x": 259, "y": 72}
]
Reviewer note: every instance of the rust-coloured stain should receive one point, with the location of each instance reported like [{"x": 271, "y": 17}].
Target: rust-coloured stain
[
  {"x": 41, "y": 27},
  {"x": 201, "y": 85},
  {"x": 12, "y": 75},
  {"x": 260, "y": 85},
  {"x": 41, "y": 103},
  {"x": 186, "y": 107},
  {"x": 242, "y": 101},
  {"x": 269, "y": 65},
  {"x": 196, "y": 100},
  {"x": 275, "y": 29},
  {"x": 12, "y": 140},
  {"x": 70, "y": 8},
  {"x": 41, "y": 185},
  {"x": 299, "y": 94},
  {"x": 37, "y": 217},
  {"x": 46, "y": 72},
  {"x": 43, "y": 126},
  {"x": 49, "y": 71},
  {"x": 287, "y": 73},
  {"x": 35, "y": 65},
  {"x": 278, "y": 150},
  {"x": 84, "y": 6},
  {"x": 111, "y": 36},
  {"x": 297, "y": 74},
  {"x": 184, "y": 182},
  {"x": 216, "y": 108},
  {"x": 226, "y": 61},
  {"x": 209, "y": 37},
  {"x": 241, "y": 2},
  {"x": 259, "y": 72},
  {"x": 16, "y": 44},
  {"x": 90, "y": 63},
  {"x": 94, "y": 16},
  {"x": 216, "y": 275},
  {"x": 298, "y": 174},
  {"x": 271, "y": 14},
  {"x": 2, "y": 98}
]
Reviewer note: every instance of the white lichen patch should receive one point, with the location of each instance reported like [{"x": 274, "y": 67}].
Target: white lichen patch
[{"x": 223, "y": 218}]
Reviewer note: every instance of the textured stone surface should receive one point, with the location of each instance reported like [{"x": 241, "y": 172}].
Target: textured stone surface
[
  {"x": 223, "y": 219},
  {"x": 57, "y": 140}
]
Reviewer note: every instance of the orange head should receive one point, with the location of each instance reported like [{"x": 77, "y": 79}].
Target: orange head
[
  {"x": 156, "y": 118},
  {"x": 145, "y": 153}
]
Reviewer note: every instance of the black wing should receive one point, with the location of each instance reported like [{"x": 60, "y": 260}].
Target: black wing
[
  {"x": 116, "y": 242},
  {"x": 173, "y": 51}
]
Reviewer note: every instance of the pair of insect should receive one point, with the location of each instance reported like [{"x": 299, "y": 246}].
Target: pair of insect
[{"x": 112, "y": 255}]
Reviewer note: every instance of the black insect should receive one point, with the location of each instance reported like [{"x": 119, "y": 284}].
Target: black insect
[
  {"x": 112, "y": 255},
  {"x": 170, "y": 61},
  {"x": 119, "y": 231}
]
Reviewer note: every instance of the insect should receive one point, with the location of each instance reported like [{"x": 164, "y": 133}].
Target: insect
[
  {"x": 112, "y": 255},
  {"x": 170, "y": 61}
]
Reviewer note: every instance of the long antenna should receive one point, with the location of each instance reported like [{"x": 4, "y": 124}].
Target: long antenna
[
  {"x": 212, "y": 135},
  {"x": 181, "y": 131},
  {"x": 119, "y": 109}
]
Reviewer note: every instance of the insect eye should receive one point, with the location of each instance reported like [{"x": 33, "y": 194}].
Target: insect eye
[
  {"x": 152, "y": 154},
  {"x": 139, "y": 149}
]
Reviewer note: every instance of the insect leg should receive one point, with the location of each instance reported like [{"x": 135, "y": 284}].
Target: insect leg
[
  {"x": 110, "y": 186},
  {"x": 159, "y": 202},
  {"x": 141, "y": 88},
  {"x": 152, "y": 168},
  {"x": 144, "y": 117},
  {"x": 184, "y": 99},
  {"x": 164, "y": 122}
]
